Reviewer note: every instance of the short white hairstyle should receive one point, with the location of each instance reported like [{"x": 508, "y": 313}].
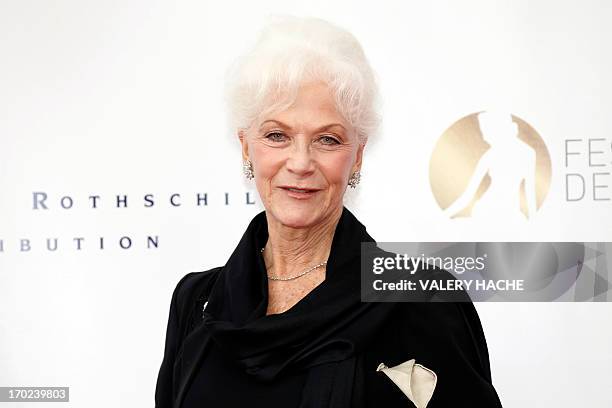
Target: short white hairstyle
[{"x": 291, "y": 51}]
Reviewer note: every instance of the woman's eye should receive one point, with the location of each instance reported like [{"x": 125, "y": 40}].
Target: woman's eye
[
  {"x": 328, "y": 140},
  {"x": 275, "y": 137}
]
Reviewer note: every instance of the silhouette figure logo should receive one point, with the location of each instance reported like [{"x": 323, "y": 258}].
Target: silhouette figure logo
[{"x": 488, "y": 165}]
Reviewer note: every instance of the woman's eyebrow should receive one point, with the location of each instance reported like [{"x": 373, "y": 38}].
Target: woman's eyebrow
[
  {"x": 284, "y": 125},
  {"x": 327, "y": 127},
  {"x": 281, "y": 124}
]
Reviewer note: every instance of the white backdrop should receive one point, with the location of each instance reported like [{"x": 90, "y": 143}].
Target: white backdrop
[{"x": 124, "y": 98}]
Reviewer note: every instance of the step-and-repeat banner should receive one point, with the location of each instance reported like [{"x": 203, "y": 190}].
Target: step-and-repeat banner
[{"x": 119, "y": 175}]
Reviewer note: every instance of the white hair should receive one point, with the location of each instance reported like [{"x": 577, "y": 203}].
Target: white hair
[{"x": 291, "y": 51}]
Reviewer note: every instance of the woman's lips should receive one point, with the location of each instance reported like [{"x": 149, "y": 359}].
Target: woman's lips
[{"x": 300, "y": 193}]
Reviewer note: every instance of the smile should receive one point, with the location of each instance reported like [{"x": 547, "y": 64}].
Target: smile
[{"x": 299, "y": 193}]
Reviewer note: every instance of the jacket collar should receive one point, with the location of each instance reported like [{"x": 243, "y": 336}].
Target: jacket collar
[{"x": 329, "y": 325}]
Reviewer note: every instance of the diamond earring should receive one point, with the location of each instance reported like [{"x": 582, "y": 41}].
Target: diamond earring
[
  {"x": 247, "y": 169},
  {"x": 355, "y": 178}
]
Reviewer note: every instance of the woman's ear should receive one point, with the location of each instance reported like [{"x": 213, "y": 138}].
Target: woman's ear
[
  {"x": 359, "y": 157},
  {"x": 243, "y": 141}
]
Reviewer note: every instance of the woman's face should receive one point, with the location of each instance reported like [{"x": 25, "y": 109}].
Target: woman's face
[{"x": 302, "y": 158}]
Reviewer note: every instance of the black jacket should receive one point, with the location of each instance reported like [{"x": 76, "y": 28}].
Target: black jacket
[{"x": 330, "y": 342}]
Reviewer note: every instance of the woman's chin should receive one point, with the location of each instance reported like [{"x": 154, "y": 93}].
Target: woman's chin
[{"x": 297, "y": 216}]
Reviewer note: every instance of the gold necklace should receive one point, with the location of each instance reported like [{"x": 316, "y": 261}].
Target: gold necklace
[{"x": 312, "y": 268}]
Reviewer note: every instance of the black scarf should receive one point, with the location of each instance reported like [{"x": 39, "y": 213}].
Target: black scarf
[{"x": 325, "y": 331}]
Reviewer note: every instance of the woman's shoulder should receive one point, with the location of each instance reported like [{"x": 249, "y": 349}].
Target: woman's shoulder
[{"x": 192, "y": 281}]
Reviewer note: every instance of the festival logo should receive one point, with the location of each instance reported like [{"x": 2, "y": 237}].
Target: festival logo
[{"x": 489, "y": 165}]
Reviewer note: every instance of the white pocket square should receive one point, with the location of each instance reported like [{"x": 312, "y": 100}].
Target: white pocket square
[{"x": 416, "y": 381}]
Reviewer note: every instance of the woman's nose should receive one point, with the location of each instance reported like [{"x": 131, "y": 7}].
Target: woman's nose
[{"x": 300, "y": 160}]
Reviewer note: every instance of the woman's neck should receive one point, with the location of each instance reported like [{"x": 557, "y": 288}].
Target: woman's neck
[{"x": 292, "y": 250}]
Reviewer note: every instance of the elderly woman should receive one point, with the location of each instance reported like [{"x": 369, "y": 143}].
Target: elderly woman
[{"x": 282, "y": 324}]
